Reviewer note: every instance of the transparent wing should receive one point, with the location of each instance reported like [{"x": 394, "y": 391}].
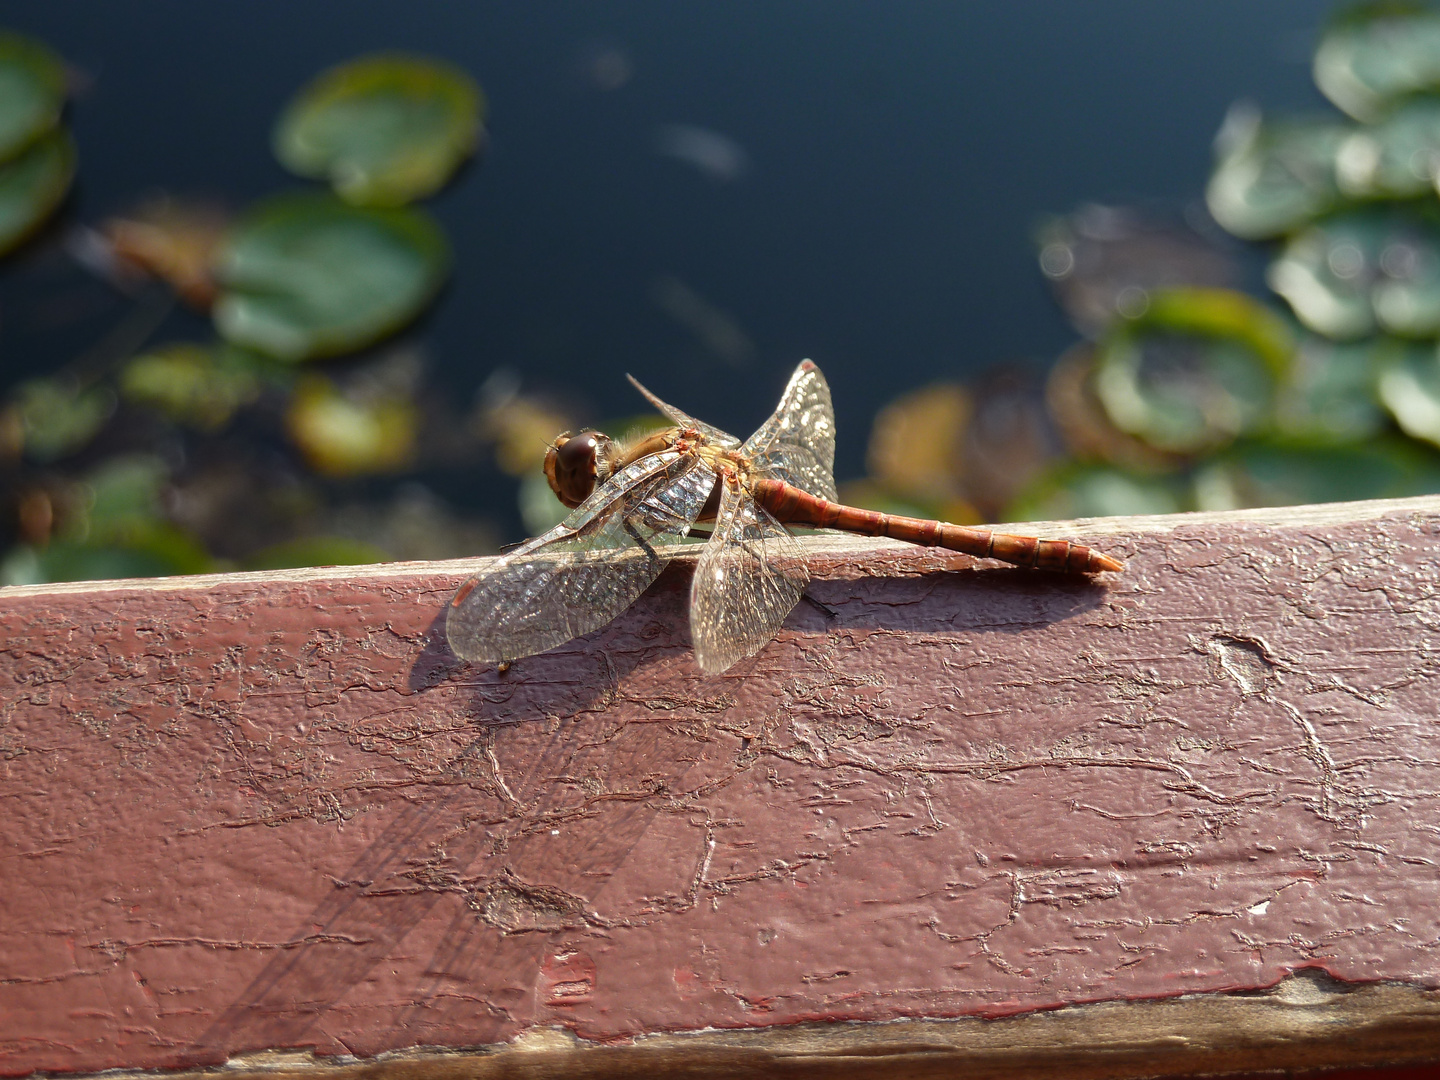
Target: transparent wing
[
  {"x": 586, "y": 570},
  {"x": 797, "y": 443},
  {"x": 750, "y": 575},
  {"x": 714, "y": 434}
]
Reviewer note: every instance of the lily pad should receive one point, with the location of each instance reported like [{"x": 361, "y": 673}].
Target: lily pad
[
  {"x": 1270, "y": 473},
  {"x": 1074, "y": 491},
  {"x": 1196, "y": 370},
  {"x": 1409, "y": 387},
  {"x": 352, "y": 435},
  {"x": 1272, "y": 178},
  {"x": 1102, "y": 261},
  {"x": 1375, "y": 54},
  {"x": 1327, "y": 271},
  {"x": 1397, "y": 158},
  {"x": 32, "y": 92},
  {"x": 384, "y": 130},
  {"x": 1329, "y": 393},
  {"x": 306, "y": 276},
  {"x": 58, "y": 417},
  {"x": 1357, "y": 272},
  {"x": 33, "y": 185},
  {"x": 197, "y": 385}
]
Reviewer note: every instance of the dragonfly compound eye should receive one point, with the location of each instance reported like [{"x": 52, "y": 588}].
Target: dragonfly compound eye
[{"x": 572, "y": 464}]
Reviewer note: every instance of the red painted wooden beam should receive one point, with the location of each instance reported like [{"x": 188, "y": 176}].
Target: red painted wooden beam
[{"x": 254, "y": 812}]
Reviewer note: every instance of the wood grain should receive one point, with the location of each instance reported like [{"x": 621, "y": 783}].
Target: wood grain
[{"x": 258, "y": 812}]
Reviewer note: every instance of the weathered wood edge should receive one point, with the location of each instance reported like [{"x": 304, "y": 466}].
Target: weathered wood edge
[
  {"x": 825, "y": 544},
  {"x": 1307, "y": 1021}
]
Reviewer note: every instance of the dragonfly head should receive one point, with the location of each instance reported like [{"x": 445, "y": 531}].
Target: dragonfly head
[{"x": 575, "y": 463}]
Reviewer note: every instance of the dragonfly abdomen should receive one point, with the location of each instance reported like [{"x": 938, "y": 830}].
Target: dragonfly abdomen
[{"x": 795, "y": 507}]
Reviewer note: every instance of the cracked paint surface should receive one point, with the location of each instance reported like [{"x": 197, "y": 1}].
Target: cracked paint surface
[{"x": 249, "y": 815}]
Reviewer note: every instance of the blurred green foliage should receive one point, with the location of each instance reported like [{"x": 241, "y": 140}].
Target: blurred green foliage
[
  {"x": 1189, "y": 395},
  {"x": 384, "y": 130},
  {"x": 144, "y": 458},
  {"x": 306, "y": 276}
]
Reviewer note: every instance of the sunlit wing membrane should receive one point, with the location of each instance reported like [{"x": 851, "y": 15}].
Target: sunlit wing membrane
[
  {"x": 797, "y": 443},
  {"x": 586, "y": 570},
  {"x": 750, "y": 575},
  {"x": 714, "y": 434}
]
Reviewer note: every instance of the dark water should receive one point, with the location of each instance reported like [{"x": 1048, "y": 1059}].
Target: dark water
[{"x": 895, "y": 158}]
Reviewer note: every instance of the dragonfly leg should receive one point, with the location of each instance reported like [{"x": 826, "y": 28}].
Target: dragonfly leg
[
  {"x": 824, "y": 609},
  {"x": 640, "y": 541}
]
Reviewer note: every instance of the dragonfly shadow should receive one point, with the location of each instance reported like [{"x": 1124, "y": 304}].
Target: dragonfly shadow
[
  {"x": 534, "y": 724},
  {"x": 1000, "y": 600},
  {"x": 578, "y": 676}
]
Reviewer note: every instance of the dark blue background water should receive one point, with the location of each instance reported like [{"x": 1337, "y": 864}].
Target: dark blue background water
[{"x": 901, "y": 153}]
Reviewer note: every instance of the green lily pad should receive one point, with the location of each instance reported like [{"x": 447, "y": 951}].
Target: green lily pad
[
  {"x": 1329, "y": 392},
  {"x": 384, "y": 130},
  {"x": 1397, "y": 158},
  {"x": 57, "y": 417},
  {"x": 193, "y": 384},
  {"x": 306, "y": 276},
  {"x": 1357, "y": 272},
  {"x": 33, "y": 185},
  {"x": 32, "y": 92},
  {"x": 1270, "y": 473},
  {"x": 1195, "y": 370},
  {"x": 1409, "y": 386},
  {"x": 352, "y": 434},
  {"x": 1272, "y": 178},
  {"x": 1327, "y": 272},
  {"x": 1074, "y": 491},
  {"x": 1375, "y": 54}
]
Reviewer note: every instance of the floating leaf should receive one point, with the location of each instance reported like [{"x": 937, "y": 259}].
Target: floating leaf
[
  {"x": 194, "y": 384},
  {"x": 1290, "y": 474},
  {"x": 1409, "y": 387},
  {"x": 1272, "y": 178},
  {"x": 1087, "y": 430},
  {"x": 33, "y": 185},
  {"x": 1329, "y": 392},
  {"x": 342, "y": 435},
  {"x": 916, "y": 443},
  {"x": 1398, "y": 158},
  {"x": 32, "y": 92},
  {"x": 1104, "y": 261},
  {"x": 1378, "y": 53},
  {"x": 175, "y": 241},
  {"x": 306, "y": 276},
  {"x": 1195, "y": 371},
  {"x": 1407, "y": 295},
  {"x": 384, "y": 130},
  {"x": 58, "y": 417},
  {"x": 1356, "y": 272},
  {"x": 1074, "y": 491}
]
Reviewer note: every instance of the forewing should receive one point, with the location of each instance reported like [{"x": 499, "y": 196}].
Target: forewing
[
  {"x": 714, "y": 434},
  {"x": 749, "y": 577},
  {"x": 585, "y": 571},
  {"x": 797, "y": 443}
]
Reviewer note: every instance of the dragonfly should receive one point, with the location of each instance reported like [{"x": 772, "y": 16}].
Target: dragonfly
[{"x": 631, "y": 504}]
